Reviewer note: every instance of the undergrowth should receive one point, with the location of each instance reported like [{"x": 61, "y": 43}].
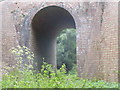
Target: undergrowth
[{"x": 47, "y": 77}]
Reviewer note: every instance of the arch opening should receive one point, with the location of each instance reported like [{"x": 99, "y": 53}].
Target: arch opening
[
  {"x": 46, "y": 26},
  {"x": 66, "y": 50}
]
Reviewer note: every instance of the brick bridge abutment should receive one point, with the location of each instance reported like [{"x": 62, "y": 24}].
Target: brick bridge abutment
[{"x": 37, "y": 24}]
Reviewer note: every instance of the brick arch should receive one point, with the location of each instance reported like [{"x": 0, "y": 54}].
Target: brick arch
[
  {"x": 95, "y": 22},
  {"x": 43, "y": 29}
]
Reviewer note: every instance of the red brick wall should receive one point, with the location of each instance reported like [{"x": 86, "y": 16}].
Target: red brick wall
[{"x": 97, "y": 34}]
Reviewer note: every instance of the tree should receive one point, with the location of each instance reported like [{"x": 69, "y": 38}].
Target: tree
[{"x": 66, "y": 49}]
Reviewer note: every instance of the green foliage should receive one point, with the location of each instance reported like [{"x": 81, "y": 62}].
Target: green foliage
[
  {"x": 66, "y": 48},
  {"x": 48, "y": 78},
  {"x": 58, "y": 79},
  {"x": 24, "y": 57}
]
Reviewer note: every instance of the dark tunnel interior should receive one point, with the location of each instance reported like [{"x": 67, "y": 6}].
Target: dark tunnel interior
[{"x": 46, "y": 25}]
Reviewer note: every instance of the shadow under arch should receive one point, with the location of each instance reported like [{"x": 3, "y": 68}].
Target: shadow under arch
[{"x": 46, "y": 25}]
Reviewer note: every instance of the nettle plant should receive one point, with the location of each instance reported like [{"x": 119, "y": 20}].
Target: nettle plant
[
  {"x": 23, "y": 76},
  {"x": 48, "y": 77},
  {"x": 23, "y": 56},
  {"x": 25, "y": 60}
]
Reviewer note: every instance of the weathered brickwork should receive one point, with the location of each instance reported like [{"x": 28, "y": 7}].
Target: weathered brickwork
[{"x": 97, "y": 34}]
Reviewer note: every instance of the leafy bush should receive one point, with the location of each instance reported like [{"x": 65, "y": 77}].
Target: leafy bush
[
  {"x": 58, "y": 79},
  {"x": 48, "y": 78}
]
